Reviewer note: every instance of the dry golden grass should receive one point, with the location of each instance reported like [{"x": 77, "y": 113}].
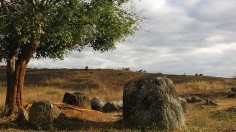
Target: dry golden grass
[
  {"x": 32, "y": 94},
  {"x": 202, "y": 87},
  {"x": 202, "y": 118},
  {"x": 54, "y": 81},
  {"x": 106, "y": 94},
  {"x": 2, "y": 97},
  {"x": 108, "y": 84}
]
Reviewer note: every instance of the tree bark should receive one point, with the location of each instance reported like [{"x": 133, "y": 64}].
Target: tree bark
[
  {"x": 15, "y": 84},
  {"x": 10, "y": 106},
  {"x": 16, "y": 69}
]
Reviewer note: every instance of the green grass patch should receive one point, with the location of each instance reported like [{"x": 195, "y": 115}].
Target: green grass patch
[
  {"x": 222, "y": 120},
  {"x": 199, "y": 123},
  {"x": 226, "y": 116}
]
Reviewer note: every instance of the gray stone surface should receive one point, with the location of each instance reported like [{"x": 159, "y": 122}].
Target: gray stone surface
[
  {"x": 231, "y": 95},
  {"x": 97, "y": 103},
  {"x": 113, "y": 106},
  {"x": 193, "y": 99},
  {"x": 184, "y": 104},
  {"x": 42, "y": 115},
  {"x": 210, "y": 102},
  {"x": 153, "y": 101},
  {"x": 77, "y": 99}
]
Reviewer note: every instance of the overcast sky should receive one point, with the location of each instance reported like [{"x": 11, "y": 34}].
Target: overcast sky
[{"x": 180, "y": 36}]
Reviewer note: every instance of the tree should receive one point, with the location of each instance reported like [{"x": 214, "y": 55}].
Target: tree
[{"x": 53, "y": 28}]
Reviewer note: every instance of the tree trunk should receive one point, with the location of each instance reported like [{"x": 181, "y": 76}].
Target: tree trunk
[
  {"x": 15, "y": 82},
  {"x": 11, "y": 96},
  {"x": 16, "y": 69}
]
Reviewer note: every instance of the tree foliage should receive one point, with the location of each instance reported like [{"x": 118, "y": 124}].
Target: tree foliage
[
  {"x": 60, "y": 26},
  {"x": 53, "y": 28}
]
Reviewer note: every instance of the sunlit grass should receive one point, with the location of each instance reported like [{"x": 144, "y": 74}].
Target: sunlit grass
[
  {"x": 108, "y": 84},
  {"x": 31, "y": 94},
  {"x": 2, "y": 97},
  {"x": 209, "y": 119},
  {"x": 106, "y": 94},
  {"x": 54, "y": 81},
  {"x": 200, "y": 87}
]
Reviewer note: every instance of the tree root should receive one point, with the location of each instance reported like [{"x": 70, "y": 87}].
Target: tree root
[{"x": 9, "y": 114}]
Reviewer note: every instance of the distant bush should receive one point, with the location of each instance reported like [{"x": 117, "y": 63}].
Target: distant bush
[
  {"x": 86, "y": 68},
  {"x": 126, "y": 69},
  {"x": 142, "y": 71},
  {"x": 198, "y": 74}
]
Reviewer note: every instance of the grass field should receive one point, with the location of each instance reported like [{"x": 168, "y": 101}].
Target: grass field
[{"x": 108, "y": 84}]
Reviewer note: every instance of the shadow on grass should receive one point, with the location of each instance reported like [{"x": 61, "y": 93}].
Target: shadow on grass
[
  {"x": 5, "y": 125},
  {"x": 73, "y": 124},
  {"x": 69, "y": 124}
]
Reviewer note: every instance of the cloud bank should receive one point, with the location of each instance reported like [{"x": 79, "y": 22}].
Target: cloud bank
[{"x": 179, "y": 36}]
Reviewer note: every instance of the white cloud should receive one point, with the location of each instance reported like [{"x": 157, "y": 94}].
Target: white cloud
[
  {"x": 154, "y": 6},
  {"x": 180, "y": 36},
  {"x": 216, "y": 49},
  {"x": 215, "y": 39}
]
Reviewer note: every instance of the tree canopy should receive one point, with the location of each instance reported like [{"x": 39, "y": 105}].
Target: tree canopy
[
  {"x": 53, "y": 28},
  {"x": 61, "y": 26}
]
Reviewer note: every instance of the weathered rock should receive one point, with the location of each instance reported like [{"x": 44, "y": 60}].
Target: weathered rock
[
  {"x": 233, "y": 89},
  {"x": 209, "y": 102},
  {"x": 184, "y": 104},
  {"x": 153, "y": 101},
  {"x": 43, "y": 114},
  {"x": 120, "y": 103},
  {"x": 113, "y": 106},
  {"x": 97, "y": 103},
  {"x": 78, "y": 99},
  {"x": 231, "y": 95},
  {"x": 193, "y": 99}
]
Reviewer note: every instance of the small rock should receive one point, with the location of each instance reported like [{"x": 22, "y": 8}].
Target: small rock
[
  {"x": 183, "y": 104},
  {"x": 120, "y": 103},
  {"x": 77, "y": 99},
  {"x": 233, "y": 89},
  {"x": 97, "y": 103},
  {"x": 231, "y": 94},
  {"x": 209, "y": 102},
  {"x": 193, "y": 99},
  {"x": 113, "y": 106}
]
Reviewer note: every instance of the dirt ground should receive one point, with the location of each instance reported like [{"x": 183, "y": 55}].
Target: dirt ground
[
  {"x": 199, "y": 118},
  {"x": 76, "y": 119}
]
